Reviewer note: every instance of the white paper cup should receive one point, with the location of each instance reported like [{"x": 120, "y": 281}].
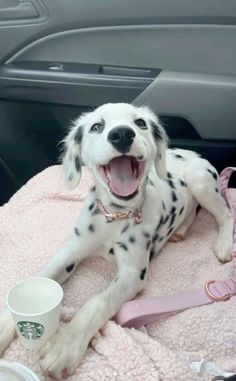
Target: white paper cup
[{"x": 35, "y": 307}]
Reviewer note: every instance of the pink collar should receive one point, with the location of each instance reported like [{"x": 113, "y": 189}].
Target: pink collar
[
  {"x": 140, "y": 312},
  {"x": 110, "y": 216}
]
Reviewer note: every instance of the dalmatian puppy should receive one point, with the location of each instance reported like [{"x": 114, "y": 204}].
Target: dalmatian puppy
[{"x": 144, "y": 195}]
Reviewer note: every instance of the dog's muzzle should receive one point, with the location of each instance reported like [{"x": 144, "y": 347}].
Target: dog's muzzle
[{"x": 121, "y": 138}]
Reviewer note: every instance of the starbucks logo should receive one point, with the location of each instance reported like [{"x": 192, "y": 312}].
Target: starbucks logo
[{"x": 30, "y": 330}]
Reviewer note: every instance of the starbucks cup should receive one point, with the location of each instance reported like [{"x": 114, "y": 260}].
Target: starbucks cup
[{"x": 35, "y": 307}]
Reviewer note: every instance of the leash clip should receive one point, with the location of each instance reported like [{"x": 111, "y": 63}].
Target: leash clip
[
  {"x": 137, "y": 214},
  {"x": 214, "y": 297}
]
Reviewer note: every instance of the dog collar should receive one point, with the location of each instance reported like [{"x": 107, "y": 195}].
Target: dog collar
[{"x": 110, "y": 216}]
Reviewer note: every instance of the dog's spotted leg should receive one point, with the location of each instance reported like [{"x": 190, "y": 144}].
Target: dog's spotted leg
[
  {"x": 181, "y": 231},
  {"x": 67, "y": 348},
  {"x": 59, "y": 268},
  {"x": 62, "y": 265},
  {"x": 82, "y": 243},
  {"x": 202, "y": 180}
]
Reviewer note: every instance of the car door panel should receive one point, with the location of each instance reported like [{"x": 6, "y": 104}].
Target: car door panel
[
  {"x": 67, "y": 83},
  {"x": 191, "y": 48}
]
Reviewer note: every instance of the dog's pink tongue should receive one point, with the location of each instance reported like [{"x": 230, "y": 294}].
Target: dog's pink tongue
[{"x": 122, "y": 178}]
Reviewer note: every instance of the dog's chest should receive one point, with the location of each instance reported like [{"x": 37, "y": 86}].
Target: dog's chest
[{"x": 166, "y": 206}]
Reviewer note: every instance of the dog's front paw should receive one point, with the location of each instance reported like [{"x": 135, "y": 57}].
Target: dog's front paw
[
  {"x": 7, "y": 330},
  {"x": 223, "y": 249},
  {"x": 63, "y": 352}
]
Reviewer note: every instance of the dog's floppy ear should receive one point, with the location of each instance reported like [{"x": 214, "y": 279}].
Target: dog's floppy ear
[
  {"x": 161, "y": 141},
  {"x": 72, "y": 156}
]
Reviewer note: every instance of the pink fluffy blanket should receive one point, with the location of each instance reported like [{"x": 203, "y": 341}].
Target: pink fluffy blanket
[{"x": 34, "y": 224}]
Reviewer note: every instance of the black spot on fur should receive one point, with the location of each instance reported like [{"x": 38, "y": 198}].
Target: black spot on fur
[
  {"x": 173, "y": 210},
  {"x": 122, "y": 246},
  {"x": 142, "y": 274},
  {"x": 170, "y": 231},
  {"x": 146, "y": 234},
  {"x": 173, "y": 196},
  {"x": 91, "y": 206},
  {"x": 77, "y": 164},
  {"x": 198, "y": 208},
  {"x": 217, "y": 191},
  {"x": 152, "y": 253},
  {"x": 111, "y": 251},
  {"x": 181, "y": 211},
  {"x": 171, "y": 184},
  {"x": 179, "y": 156},
  {"x": 214, "y": 174},
  {"x": 169, "y": 175},
  {"x": 160, "y": 223},
  {"x": 150, "y": 182},
  {"x": 163, "y": 205},
  {"x": 70, "y": 267},
  {"x": 96, "y": 211},
  {"x": 172, "y": 220},
  {"x": 70, "y": 177},
  {"x": 148, "y": 245},
  {"x": 166, "y": 219},
  {"x": 91, "y": 228},
  {"x": 160, "y": 239},
  {"x": 155, "y": 237},
  {"x": 93, "y": 189},
  {"x": 157, "y": 134},
  {"x": 78, "y": 135},
  {"x": 77, "y": 232},
  {"x": 125, "y": 228},
  {"x": 132, "y": 239},
  {"x": 182, "y": 183}
]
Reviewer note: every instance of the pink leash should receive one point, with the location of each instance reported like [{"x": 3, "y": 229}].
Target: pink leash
[{"x": 140, "y": 312}]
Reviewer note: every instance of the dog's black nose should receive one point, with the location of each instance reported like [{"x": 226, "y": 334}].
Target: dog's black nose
[{"x": 121, "y": 138}]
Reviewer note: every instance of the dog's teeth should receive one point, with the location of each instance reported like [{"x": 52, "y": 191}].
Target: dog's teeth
[
  {"x": 136, "y": 170},
  {"x": 107, "y": 171}
]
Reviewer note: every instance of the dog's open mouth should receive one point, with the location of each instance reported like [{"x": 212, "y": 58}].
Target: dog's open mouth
[{"x": 123, "y": 174}]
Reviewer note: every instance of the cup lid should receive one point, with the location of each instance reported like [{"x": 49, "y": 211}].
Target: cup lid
[{"x": 14, "y": 371}]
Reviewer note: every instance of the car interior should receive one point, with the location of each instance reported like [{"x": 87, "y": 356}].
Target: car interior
[{"x": 59, "y": 58}]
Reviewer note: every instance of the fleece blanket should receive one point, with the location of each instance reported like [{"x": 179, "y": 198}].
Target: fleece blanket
[{"x": 34, "y": 224}]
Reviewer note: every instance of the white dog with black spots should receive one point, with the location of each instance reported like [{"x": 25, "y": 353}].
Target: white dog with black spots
[{"x": 144, "y": 195}]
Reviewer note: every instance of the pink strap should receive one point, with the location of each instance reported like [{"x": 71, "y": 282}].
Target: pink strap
[
  {"x": 224, "y": 180},
  {"x": 140, "y": 312},
  {"x": 144, "y": 311}
]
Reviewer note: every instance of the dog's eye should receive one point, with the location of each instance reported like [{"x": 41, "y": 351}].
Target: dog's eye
[
  {"x": 141, "y": 123},
  {"x": 97, "y": 127}
]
